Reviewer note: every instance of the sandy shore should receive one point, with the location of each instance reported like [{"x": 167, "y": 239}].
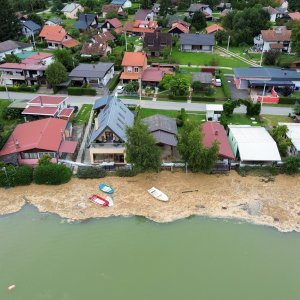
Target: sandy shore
[{"x": 274, "y": 203}]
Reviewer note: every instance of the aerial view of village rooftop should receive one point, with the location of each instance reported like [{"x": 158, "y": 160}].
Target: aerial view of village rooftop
[{"x": 143, "y": 143}]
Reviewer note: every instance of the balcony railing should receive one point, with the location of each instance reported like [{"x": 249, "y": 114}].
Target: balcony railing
[{"x": 107, "y": 145}]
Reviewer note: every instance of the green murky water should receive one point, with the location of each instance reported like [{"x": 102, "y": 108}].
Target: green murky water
[{"x": 132, "y": 258}]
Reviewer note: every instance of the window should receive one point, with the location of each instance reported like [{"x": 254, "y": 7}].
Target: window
[
  {"x": 136, "y": 69},
  {"x": 129, "y": 69}
]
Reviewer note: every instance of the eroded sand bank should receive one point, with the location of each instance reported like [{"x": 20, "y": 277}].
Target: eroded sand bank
[{"x": 275, "y": 203}]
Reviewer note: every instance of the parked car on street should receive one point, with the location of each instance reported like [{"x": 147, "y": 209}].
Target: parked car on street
[{"x": 120, "y": 89}]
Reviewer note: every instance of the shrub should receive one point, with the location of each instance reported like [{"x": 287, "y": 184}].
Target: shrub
[
  {"x": 16, "y": 176},
  {"x": 126, "y": 172},
  {"x": 291, "y": 165},
  {"x": 21, "y": 88},
  {"x": 288, "y": 100},
  {"x": 226, "y": 88},
  {"x": 114, "y": 82},
  {"x": 91, "y": 172},
  {"x": 78, "y": 91},
  {"x": 52, "y": 174}
]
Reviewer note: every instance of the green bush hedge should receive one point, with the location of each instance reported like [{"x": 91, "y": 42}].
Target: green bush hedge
[
  {"x": 16, "y": 176},
  {"x": 79, "y": 91},
  {"x": 125, "y": 172},
  {"x": 225, "y": 86},
  {"x": 114, "y": 82},
  {"x": 21, "y": 88},
  {"x": 52, "y": 174},
  {"x": 288, "y": 100},
  {"x": 91, "y": 172}
]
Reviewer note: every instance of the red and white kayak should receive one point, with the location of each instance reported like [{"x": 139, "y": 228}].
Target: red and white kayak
[{"x": 99, "y": 200}]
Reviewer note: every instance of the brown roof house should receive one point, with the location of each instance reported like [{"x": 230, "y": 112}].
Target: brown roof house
[
  {"x": 278, "y": 38},
  {"x": 99, "y": 45},
  {"x": 144, "y": 15},
  {"x": 112, "y": 8},
  {"x": 134, "y": 64},
  {"x": 178, "y": 27},
  {"x": 111, "y": 24},
  {"x": 155, "y": 42},
  {"x": 152, "y": 76}
]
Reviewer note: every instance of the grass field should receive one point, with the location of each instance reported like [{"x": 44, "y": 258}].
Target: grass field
[
  {"x": 84, "y": 114},
  {"x": 205, "y": 59}
]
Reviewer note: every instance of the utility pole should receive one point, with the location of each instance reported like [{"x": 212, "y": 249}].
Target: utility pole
[
  {"x": 33, "y": 40},
  {"x": 228, "y": 43},
  {"x": 140, "y": 88},
  {"x": 263, "y": 95},
  {"x": 125, "y": 40},
  {"x": 261, "y": 57}
]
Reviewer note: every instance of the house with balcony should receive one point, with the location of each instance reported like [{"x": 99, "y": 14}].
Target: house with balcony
[
  {"x": 134, "y": 64},
  {"x": 97, "y": 75},
  {"x": 71, "y": 10},
  {"x": 278, "y": 38},
  {"x": 31, "y": 140},
  {"x": 45, "y": 106},
  {"x": 13, "y": 47},
  {"x": 195, "y": 42},
  {"x": 57, "y": 37},
  {"x": 108, "y": 137}
]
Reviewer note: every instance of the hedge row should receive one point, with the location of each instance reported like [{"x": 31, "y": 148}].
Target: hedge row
[
  {"x": 207, "y": 99},
  {"x": 114, "y": 82},
  {"x": 14, "y": 176},
  {"x": 226, "y": 88},
  {"x": 125, "y": 172},
  {"x": 52, "y": 174},
  {"x": 20, "y": 88},
  {"x": 288, "y": 100},
  {"x": 91, "y": 172},
  {"x": 79, "y": 91}
]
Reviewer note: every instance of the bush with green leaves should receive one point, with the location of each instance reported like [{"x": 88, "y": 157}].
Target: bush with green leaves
[
  {"x": 126, "y": 172},
  {"x": 51, "y": 174},
  {"x": 91, "y": 172},
  {"x": 291, "y": 165},
  {"x": 15, "y": 176}
]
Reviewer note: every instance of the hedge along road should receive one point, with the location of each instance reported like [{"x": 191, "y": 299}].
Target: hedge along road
[{"x": 167, "y": 105}]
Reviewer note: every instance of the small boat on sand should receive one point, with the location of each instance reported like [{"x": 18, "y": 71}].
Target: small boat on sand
[
  {"x": 99, "y": 200},
  {"x": 106, "y": 188},
  {"x": 157, "y": 194}
]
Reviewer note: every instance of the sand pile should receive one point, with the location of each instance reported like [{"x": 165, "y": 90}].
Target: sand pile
[{"x": 275, "y": 203}]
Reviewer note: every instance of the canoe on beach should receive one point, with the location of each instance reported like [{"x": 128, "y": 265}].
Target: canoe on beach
[
  {"x": 106, "y": 188},
  {"x": 157, "y": 194},
  {"x": 99, "y": 200}
]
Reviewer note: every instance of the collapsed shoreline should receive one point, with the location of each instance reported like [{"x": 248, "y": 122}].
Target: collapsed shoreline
[{"x": 229, "y": 196}]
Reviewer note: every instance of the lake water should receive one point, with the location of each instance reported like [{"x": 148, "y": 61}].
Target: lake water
[{"x": 132, "y": 258}]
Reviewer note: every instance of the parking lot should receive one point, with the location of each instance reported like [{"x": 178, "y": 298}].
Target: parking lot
[{"x": 235, "y": 93}]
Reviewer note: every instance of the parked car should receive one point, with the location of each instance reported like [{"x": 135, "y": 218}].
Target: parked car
[
  {"x": 120, "y": 89},
  {"x": 218, "y": 82}
]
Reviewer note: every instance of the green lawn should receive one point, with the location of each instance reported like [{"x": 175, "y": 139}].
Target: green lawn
[
  {"x": 273, "y": 120},
  {"x": 205, "y": 59},
  {"x": 242, "y": 119},
  {"x": 84, "y": 114}
]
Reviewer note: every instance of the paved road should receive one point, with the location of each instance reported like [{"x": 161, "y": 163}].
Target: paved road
[{"x": 167, "y": 105}]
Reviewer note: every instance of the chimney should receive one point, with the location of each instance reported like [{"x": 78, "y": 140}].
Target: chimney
[
  {"x": 216, "y": 132},
  {"x": 17, "y": 143}
]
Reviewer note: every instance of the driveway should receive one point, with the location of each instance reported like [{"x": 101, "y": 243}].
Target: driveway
[{"x": 235, "y": 93}]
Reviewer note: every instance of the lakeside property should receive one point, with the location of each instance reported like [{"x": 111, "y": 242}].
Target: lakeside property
[{"x": 253, "y": 199}]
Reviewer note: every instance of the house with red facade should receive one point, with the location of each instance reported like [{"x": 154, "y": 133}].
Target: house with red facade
[{"x": 31, "y": 140}]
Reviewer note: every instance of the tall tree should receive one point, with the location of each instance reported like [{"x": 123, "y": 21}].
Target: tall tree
[
  {"x": 9, "y": 23},
  {"x": 192, "y": 150},
  {"x": 281, "y": 139},
  {"x": 56, "y": 73},
  {"x": 141, "y": 148},
  {"x": 65, "y": 57},
  {"x": 165, "y": 7},
  {"x": 198, "y": 20},
  {"x": 36, "y": 18},
  {"x": 296, "y": 36}
]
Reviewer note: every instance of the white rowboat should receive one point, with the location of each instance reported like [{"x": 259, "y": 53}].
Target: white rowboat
[{"x": 157, "y": 194}]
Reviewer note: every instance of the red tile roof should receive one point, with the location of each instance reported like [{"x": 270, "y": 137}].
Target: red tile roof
[
  {"x": 132, "y": 59},
  {"x": 214, "y": 28},
  {"x": 130, "y": 76},
  {"x": 214, "y": 131},
  {"x": 36, "y": 58},
  {"x": 45, "y": 134},
  {"x": 69, "y": 43},
  {"x": 55, "y": 100},
  {"x": 51, "y": 30},
  {"x": 278, "y": 34},
  {"x": 181, "y": 27},
  {"x": 114, "y": 22},
  {"x": 155, "y": 74},
  {"x": 40, "y": 110},
  {"x": 22, "y": 66},
  {"x": 68, "y": 147},
  {"x": 135, "y": 27},
  {"x": 66, "y": 112},
  {"x": 295, "y": 15}
]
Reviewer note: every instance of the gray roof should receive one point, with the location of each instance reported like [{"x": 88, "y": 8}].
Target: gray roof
[
  {"x": 197, "y": 39},
  {"x": 118, "y": 2},
  {"x": 70, "y": 7},
  {"x": 203, "y": 77},
  {"x": 115, "y": 116},
  {"x": 12, "y": 45},
  {"x": 163, "y": 137},
  {"x": 98, "y": 70},
  {"x": 161, "y": 123},
  {"x": 196, "y": 7},
  {"x": 84, "y": 21},
  {"x": 31, "y": 25},
  {"x": 276, "y": 74},
  {"x": 56, "y": 20},
  {"x": 101, "y": 102},
  {"x": 141, "y": 14},
  {"x": 172, "y": 18}
]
